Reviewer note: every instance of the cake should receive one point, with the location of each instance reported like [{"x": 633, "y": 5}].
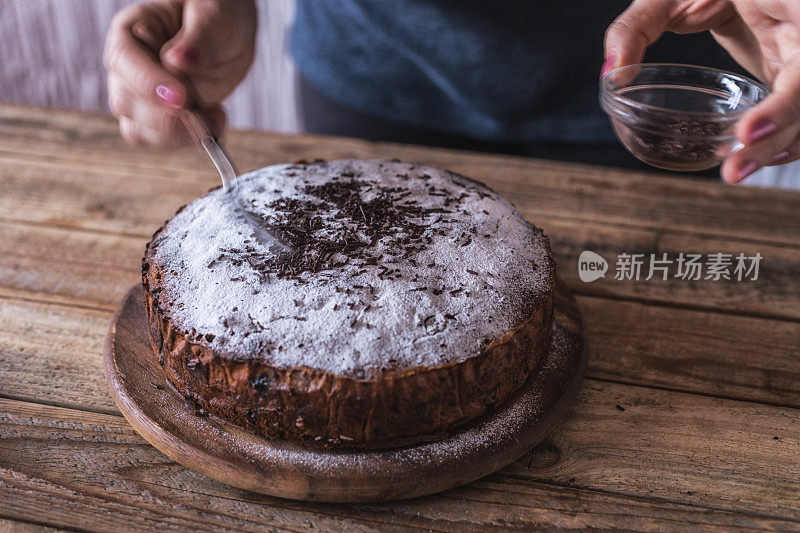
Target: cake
[{"x": 411, "y": 300}]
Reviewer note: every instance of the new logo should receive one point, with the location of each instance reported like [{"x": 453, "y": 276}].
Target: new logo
[{"x": 591, "y": 266}]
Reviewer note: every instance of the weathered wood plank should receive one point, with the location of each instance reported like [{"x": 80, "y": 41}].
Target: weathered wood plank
[
  {"x": 681, "y": 447},
  {"x": 776, "y": 292},
  {"x": 47, "y": 351},
  {"x": 101, "y": 201},
  {"x": 648, "y": 200},
  {"x": 95, "y": 269},
  {"x": 694, "y": 351},
  {"x": 13, "y": 526},
  {"x": 65, "y": 466},
  {"x": 68, "y": 266},
  {"x": 53, "y": 354}
]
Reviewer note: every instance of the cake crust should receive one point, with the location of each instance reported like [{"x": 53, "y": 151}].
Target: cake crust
[
  {"x": 318, "y": 407},
  {"x": 384, "y": 406}
]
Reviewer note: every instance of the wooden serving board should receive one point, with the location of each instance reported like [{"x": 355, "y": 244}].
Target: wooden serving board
[{"x": 234, "y": 456}]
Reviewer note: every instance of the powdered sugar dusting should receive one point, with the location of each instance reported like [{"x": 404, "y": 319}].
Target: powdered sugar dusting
[{"x": 424, "y": 268}]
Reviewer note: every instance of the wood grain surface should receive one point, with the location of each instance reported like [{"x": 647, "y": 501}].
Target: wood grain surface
[{"x": 689, "y": 418}]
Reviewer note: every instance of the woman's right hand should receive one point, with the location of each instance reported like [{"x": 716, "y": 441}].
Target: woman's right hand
[
  {"x": 762, "y": 35},
  {"x": 164, "y": 56}
]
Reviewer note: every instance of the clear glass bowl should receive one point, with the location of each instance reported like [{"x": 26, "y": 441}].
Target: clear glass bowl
[{"x": 677, "y": 117}]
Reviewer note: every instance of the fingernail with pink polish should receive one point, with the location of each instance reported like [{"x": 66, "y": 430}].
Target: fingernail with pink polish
[
  {"x": 608, "y": 64},
  {"x": 763, "y": 128},
  {"x": 780, "y": 157},
  {"x": 169, "y": 96},
  {"x": 748, "y": 168}
]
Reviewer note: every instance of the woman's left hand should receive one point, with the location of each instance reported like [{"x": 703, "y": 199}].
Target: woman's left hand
[{"x": 762, "y": 35}]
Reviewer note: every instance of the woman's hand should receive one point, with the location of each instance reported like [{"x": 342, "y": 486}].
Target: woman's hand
[
  {"x": 762, "y": 35},
  {"x": 166, "y": 55}
]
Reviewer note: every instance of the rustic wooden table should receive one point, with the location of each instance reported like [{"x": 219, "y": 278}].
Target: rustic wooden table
[{"x": 689, "y": 416}]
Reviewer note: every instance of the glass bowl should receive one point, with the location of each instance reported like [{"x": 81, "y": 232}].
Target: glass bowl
[{"x": 677, "y": 117}]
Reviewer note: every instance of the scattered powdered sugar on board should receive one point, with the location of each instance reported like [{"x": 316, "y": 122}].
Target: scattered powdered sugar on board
[{"x": 396, "y": 266}]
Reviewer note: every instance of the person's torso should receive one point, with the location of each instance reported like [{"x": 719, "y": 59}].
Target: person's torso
[{"x": 509, "y": 70}]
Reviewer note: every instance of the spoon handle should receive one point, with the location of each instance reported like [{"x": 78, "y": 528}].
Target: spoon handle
[{"x": 197, "y": 126}]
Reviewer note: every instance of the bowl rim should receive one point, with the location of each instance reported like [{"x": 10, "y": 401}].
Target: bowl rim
[{"x": 607, "y": 92}]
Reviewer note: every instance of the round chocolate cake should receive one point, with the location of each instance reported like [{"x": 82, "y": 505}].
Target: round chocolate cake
[{"x": 410, "y": 300}]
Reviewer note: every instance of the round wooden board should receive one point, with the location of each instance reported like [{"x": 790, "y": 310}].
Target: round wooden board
[{"x": 234, "y": 456}]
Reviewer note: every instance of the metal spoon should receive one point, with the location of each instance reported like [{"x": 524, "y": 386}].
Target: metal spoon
[
  {"x": 149, "y": 38},
  {"x": 199, "y": 130}
]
